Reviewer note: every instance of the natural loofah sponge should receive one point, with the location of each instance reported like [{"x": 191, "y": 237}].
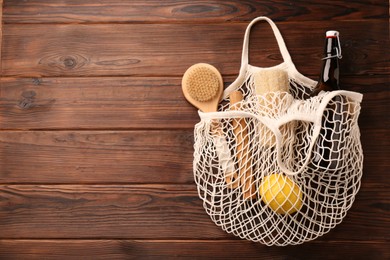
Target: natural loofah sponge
[
  {"x": 272, "y": 87},
  {"x": 271, "y": 80}
]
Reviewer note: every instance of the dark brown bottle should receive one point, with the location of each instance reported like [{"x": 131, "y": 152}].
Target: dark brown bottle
[
  {"x": 328, "y": 151},
  {"x": 329, "y": 79}
]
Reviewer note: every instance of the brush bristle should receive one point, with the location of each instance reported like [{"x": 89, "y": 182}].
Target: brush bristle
[{"x": 202, "y": 83}]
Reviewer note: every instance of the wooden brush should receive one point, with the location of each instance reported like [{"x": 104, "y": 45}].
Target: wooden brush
[
  {"x": 242, "y": 149},
  {"x": 202, "y": 86}
]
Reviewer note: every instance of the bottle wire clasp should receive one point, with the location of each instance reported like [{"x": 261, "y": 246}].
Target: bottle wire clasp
[{"x": 338, "y": 51}]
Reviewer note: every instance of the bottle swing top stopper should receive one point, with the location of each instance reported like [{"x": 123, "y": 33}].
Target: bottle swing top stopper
[{"x": 334, "y": 34}]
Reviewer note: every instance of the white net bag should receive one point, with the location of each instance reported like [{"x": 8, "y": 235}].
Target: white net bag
[{"x": 277, "y": 167}]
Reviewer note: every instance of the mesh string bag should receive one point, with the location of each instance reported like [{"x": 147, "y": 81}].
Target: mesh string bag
[{"x": 278, "y": 167}]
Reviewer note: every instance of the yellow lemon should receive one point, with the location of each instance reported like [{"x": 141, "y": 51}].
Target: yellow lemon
[{"x": 281, "y": 194}]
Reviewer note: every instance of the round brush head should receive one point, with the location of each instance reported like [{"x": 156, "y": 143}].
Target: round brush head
[{"x": 202, "y": 82}]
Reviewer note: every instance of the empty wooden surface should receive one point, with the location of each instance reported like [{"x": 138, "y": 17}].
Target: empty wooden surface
[{"x": 96, "y": 137}]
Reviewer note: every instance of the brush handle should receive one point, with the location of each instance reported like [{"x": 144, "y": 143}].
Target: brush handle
[
  {"x": 225, "y": 158},
  {"x": 242, "y": 149}
]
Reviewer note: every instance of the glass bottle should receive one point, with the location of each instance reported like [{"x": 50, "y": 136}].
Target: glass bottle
[
  {"x": 329, "y": 79},
  {"x": 328, "y": 153}
]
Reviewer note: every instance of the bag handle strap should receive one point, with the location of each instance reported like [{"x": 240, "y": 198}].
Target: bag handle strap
[
  {"x": 282, "y": 46},
  {"x": 315, "y": 118},
  {"x": 317, "y": 125},
  {"x": 245, "y": 55}
]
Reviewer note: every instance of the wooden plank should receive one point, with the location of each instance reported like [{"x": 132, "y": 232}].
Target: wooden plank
[
  {"x": 147, "y": 211},
  {"x": 1, "y": 33},
  {"x": 114, "y": 11},
  {"x": 150, "y": 212},
  {"x": 134, "y": 103},
  {"x": 376, "y": 93},
  {"x": 169, "y": 49},
  {"x": 96, "y": 157},
  {"x": 187, "y": 249},
  {"x": 108, "y": 103},
  {"x": 101, "y": 157}
]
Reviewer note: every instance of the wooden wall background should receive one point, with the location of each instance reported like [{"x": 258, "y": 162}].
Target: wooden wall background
[{"x": 96, "y": 137}]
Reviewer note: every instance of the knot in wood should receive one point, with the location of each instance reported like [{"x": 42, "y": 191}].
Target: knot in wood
[
  {"x": 28, "y": 98},
  {"x": 197, "y": 9},
  {"x": 70, "y": 62},
  {"x": 36, "y": 81}
]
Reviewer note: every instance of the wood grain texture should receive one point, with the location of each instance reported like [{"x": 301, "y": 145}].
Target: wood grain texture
[
  {"x": 96, "y": 138},
  {"x": 94, "y": 103},
  {"x": 169, "y": 49},
  {"x": 102, "y": 157},
  {"x": 114, "y": 11},
  {"x": 151, "y": 212},
  {"x": 136, "y": 103},
  {"x": 1, "y": 33},
  {"x": 186, "y": 249},
  {"x": 114, "y": 211},
  {"x": 96, "y": 157}
]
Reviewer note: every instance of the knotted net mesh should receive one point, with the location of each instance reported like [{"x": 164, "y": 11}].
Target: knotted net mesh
[{"x": 279, "y": 168}]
